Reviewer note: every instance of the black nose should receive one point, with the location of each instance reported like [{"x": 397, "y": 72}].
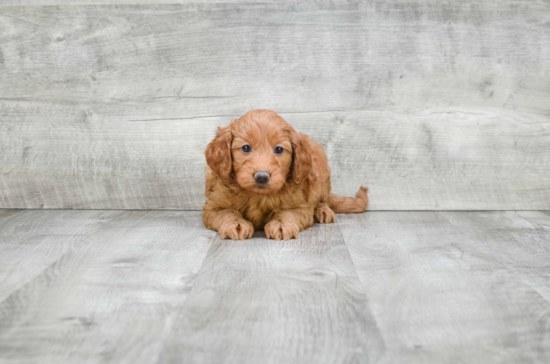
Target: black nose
[{"x": 261, "y": 177}]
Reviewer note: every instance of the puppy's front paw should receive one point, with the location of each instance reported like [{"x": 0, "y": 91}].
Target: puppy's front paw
[
  {"x": 281, "y": 229},
  {"x": 324, "y": 215},
  {"x": 237, "y": 230}
]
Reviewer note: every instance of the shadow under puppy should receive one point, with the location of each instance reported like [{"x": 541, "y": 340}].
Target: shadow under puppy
[{"x": 261, "y": 173}]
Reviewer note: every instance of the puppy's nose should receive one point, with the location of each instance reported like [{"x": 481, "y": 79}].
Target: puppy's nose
[{"x": 261, "y": 177}]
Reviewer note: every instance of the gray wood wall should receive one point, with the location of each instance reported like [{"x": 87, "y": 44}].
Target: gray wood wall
[{"x": 432, "y": 104}]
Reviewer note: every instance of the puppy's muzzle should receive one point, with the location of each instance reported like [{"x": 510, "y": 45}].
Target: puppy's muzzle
[{"x": 261, "y": 177}]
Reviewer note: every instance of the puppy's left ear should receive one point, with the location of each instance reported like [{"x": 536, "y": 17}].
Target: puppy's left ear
[
  {"x": 301, "y": 157},
  {"x": 218, "y": 154}
]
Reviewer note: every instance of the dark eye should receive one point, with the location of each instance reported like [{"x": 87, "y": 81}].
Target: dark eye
[
  {"x": 246, "y": 148},
  {"x": 279, "y": 150}
]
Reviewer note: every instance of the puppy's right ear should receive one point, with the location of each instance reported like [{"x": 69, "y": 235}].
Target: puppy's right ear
[{"x": 218, "y": 154}]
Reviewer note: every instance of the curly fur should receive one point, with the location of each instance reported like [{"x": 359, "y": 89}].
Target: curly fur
[{"x": 298, "y": 191}]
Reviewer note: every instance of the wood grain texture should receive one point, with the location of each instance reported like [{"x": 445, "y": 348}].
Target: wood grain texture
[
  {"x": 4, "y": 214},
  {"x": 111, "y": 299},
  {"x": 434, "y": 105},
  {"x": 117, "y": 2},
  {"x": 522, "y": 239},
  {"x": 440, "y": 296},
  {"x": 155, "y": 286},
  {"x": 37, "y": 239},
  {"x": 286, "y": 302}
]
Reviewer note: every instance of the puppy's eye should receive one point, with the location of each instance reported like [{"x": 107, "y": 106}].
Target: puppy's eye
[
  {"x": 246, "y": 148},
  {"x": 279, "y": 150}
]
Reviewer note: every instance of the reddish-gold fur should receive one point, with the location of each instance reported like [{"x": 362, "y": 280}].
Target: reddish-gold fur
[{"x": 297, "y": 194}]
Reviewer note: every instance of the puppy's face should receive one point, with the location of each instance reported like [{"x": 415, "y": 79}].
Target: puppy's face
[
  {"x": 262, "y": 157},
  {"x": 260, "y": 152}
]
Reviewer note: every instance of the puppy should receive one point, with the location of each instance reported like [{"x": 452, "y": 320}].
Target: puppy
[{"x": 261, "y": 173}]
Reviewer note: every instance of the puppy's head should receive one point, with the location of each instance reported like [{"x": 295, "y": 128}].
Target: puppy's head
[{"x": 260, "y": 152}]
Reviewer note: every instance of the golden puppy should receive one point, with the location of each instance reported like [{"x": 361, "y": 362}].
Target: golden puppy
[{"x": 263, "y": 174}]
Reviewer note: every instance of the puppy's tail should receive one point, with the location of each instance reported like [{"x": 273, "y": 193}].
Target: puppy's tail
[{"x": 340, "y": 204}]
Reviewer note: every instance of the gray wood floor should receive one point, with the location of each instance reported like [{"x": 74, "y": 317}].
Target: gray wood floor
[{"x": 380, "y": 287}]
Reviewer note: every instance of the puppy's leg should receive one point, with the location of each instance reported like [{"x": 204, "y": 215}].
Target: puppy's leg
[
  {"x": 229, "y": 223},
  {"x": 324, "y": 214},
  {"x": 287, "y": 224}
]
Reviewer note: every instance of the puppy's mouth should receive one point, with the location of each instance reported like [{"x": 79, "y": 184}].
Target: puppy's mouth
[{"x": 263, "y": 188}]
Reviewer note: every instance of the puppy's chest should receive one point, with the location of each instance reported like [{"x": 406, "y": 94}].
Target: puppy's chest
[{"x": 260, "y": 209}]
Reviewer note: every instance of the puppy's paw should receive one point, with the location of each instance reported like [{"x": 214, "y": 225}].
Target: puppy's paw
[
  {"x": 324, "y": 215},
  {"x": 237, "y": 230},
  {"x": 281, "y": 229}
]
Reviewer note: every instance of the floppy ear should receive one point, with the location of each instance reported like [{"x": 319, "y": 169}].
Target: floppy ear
[
  {"x": 301, "y": 157},
  {"x": 218, "y": 154}
]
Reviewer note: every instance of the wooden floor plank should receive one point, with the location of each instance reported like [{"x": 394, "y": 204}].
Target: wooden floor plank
[
  {"x": 155, "y": 286},
  {"x": 520, "y": 240},
  {"x": 7, "y": 213},
  {"x": 276, "y": 302},
  {"x": 439, "y": 296},
  {"x": 111, "y": 299},
  {"x": 30, "y": 241}
]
